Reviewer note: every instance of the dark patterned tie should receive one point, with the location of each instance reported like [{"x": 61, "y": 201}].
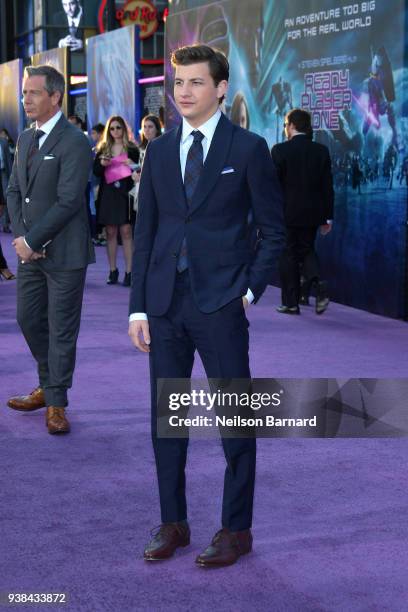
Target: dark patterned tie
[
  {"x": 194, "y": 166},
  {"x": 34, "y": 148}
]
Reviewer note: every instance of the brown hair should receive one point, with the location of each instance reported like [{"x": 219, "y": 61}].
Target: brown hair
[
  {"x": 106, "y": 142},
  {"x": 156, "y": 121},
  {"x": 235, "y": 114},
  {"x": 198, "y": 54}
]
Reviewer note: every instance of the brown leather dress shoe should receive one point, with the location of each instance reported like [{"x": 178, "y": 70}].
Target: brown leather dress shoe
[
  {"x": 56, "y": 420},
  {"x": 167, "y": 539},
  {"x": 226, "y": 548},
  {"x": 26, "y": 403}
]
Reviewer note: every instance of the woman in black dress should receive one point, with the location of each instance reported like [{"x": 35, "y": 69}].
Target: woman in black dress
[{"x": 113, "y": 164}]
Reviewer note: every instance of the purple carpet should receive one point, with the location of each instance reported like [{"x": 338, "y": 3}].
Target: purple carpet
[{"x": 330, "y": 522}]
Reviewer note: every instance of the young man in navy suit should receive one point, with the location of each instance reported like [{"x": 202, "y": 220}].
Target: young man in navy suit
[{"x": 195, "y": 273}]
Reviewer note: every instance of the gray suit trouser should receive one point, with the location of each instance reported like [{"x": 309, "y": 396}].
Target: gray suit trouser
[{"x": 49, "y": 303}]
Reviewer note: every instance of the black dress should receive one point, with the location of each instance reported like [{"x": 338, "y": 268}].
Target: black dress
[{"x": 113, "y": 198}]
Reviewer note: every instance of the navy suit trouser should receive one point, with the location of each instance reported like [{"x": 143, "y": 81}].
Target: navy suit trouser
[{"x": 221, "y": 339}]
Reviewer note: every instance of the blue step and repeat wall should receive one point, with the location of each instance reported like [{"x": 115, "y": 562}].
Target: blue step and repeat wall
[{"x": 344, "y": 62}]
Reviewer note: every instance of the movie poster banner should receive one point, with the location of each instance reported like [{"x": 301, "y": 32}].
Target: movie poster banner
[
  {"x": 344, "y": 62},
  {"x": 112, "y": 67},
  {"x": 11, "y": 109},
  {"x": 70, "y": 23}
]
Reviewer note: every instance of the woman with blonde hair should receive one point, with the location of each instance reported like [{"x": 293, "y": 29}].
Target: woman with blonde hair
[{"x": 115, "y": 160}]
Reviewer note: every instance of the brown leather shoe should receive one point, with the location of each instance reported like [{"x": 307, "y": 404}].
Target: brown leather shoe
[
  {"x": 26, "y": 403},
  {"x": 226, "y": 548},
  {"x": 167, "y": 539},
  {"x": 56, "y": 420}
]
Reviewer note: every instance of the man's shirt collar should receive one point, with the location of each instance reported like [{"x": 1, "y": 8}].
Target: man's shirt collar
[
  {"x": 50, "y": 124},
  {"x": 208, "y": 128}
]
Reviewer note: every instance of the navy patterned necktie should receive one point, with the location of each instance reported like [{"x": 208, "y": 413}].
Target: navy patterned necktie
[
  {"x": 194, "y": 166},
  {"x": 34, "y": 148}
]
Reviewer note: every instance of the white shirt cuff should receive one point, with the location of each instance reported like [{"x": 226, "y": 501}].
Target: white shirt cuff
[
  {"x": 250, "y": 296},
  {"x": 26, "y": 243},
  {"x": 138, "y": 316}
]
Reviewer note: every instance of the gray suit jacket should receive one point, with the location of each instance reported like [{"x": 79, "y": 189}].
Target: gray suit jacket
[{"x": 51, "y": 204}]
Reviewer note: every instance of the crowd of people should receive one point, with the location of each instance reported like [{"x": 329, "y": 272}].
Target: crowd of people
[{"x": 112, "y": 188}]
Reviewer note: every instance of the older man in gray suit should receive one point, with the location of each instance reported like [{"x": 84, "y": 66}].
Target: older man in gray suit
[{"x": 46, "y": 201}]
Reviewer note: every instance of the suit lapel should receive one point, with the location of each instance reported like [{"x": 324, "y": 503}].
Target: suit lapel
[
  {"x": 23, "y": 148},
  {"x": 48, "y": 145},
  {"x": 173, "y": 166},
  {"x": 215, "y": 160}
]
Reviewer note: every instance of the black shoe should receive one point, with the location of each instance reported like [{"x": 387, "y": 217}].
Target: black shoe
[
  {"x": 322, "y": 300},
  {"x": 293, "y": 310},
  {"x": 113, "y": 277},
  {"x": 127, "y": 280}
]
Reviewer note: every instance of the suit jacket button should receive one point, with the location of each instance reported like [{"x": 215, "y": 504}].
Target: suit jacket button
[{"x": 27, "y": 200}]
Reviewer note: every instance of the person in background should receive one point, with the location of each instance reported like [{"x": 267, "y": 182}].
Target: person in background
[
  {"x": 77, "y": 121},
  {"x": 97, "y": 133},
  {"x": 100, "y": 233},
  {"x": 304, "y": 170},
  {"x": 5, "y": 171},
  {"x": 11, "y": 144},
  {"x": 239, "y": 111},
  {"x": 113, "y": 164},
  {"x": 4, "y": 270},
  {"x": 150, "y": 129}
]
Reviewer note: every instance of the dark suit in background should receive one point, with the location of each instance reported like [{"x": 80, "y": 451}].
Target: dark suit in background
[
  {"x": 304, "y": 170},
  {"x": 5, "y": 171},
  {"x": 201, "y": 308},
  {"x": 3, "y": 262},
  {"x": 47, "y": 206}
]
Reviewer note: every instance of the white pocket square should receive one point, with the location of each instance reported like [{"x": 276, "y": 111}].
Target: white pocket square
[
  {"x": 227, "y": 170},
  {"x": 49, "y": 157}
]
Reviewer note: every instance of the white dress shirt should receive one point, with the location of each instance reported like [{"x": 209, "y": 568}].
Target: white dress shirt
[
  {"x": 208, "y": 129},
  {"x": 46, "y": 128}
]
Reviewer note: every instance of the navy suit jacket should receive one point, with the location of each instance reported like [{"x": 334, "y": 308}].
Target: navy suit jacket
[{"x": 218, "y": 224}]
